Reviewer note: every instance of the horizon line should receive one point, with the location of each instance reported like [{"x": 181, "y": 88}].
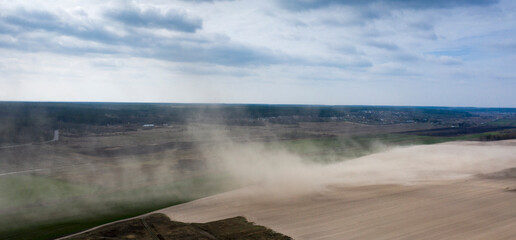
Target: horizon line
[{"x": 272, "y": 104}]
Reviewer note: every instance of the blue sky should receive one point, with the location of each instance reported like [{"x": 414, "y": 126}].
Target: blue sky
[{"x": 370, "y": 52}]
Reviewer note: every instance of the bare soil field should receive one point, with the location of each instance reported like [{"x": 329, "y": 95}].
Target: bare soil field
[{"x": 457, "y": 190}]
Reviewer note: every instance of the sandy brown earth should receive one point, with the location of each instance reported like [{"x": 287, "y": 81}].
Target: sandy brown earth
[{"x": 443, "y": 191}]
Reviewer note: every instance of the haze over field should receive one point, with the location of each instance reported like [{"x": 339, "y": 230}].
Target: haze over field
[
  {"x": 283, "y": 174},
  {"x": 379, "y": 52},
  {"x": 445, "y": 192}
]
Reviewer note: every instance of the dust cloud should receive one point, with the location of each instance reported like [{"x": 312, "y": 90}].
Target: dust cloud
[
  {"x": 280, "y": 173},
  {"x": 415, "y": 192}
]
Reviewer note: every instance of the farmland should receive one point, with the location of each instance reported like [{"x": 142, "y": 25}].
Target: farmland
[{"x": 107, "y": 165}]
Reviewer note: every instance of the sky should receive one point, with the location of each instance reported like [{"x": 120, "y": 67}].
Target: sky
[{"x": 355, "y": 52}]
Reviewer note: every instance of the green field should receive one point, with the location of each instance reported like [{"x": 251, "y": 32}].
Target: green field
[
  {"x": 504, "y": 122},
  {"x": 337, "y": 149},
  {"x": 39, "y": 207}
]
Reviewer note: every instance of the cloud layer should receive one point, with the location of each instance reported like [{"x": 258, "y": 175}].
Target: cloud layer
[
  {"x": 413, "y": 4},
  {"x": 317, "y": 52},
  {"x": 153, "y": 18}
]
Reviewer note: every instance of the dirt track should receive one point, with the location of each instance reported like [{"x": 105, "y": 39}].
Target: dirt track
[{"x": 437, "y": 195}]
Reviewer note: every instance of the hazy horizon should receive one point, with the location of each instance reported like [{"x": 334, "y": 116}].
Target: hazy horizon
[{"x": 237, "y": 103}]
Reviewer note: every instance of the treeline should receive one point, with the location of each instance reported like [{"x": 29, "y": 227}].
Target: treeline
[
  {"x": 124, "y": 113},
  {"x": 33, "y": 120},
  {"x": 505, "y": 135}
]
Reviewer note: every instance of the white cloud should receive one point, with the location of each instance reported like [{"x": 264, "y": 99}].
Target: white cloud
[{"x": 321, "y": 52}]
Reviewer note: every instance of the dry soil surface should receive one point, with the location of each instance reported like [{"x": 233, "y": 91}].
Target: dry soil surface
[{"x": 442, "y": 191}]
